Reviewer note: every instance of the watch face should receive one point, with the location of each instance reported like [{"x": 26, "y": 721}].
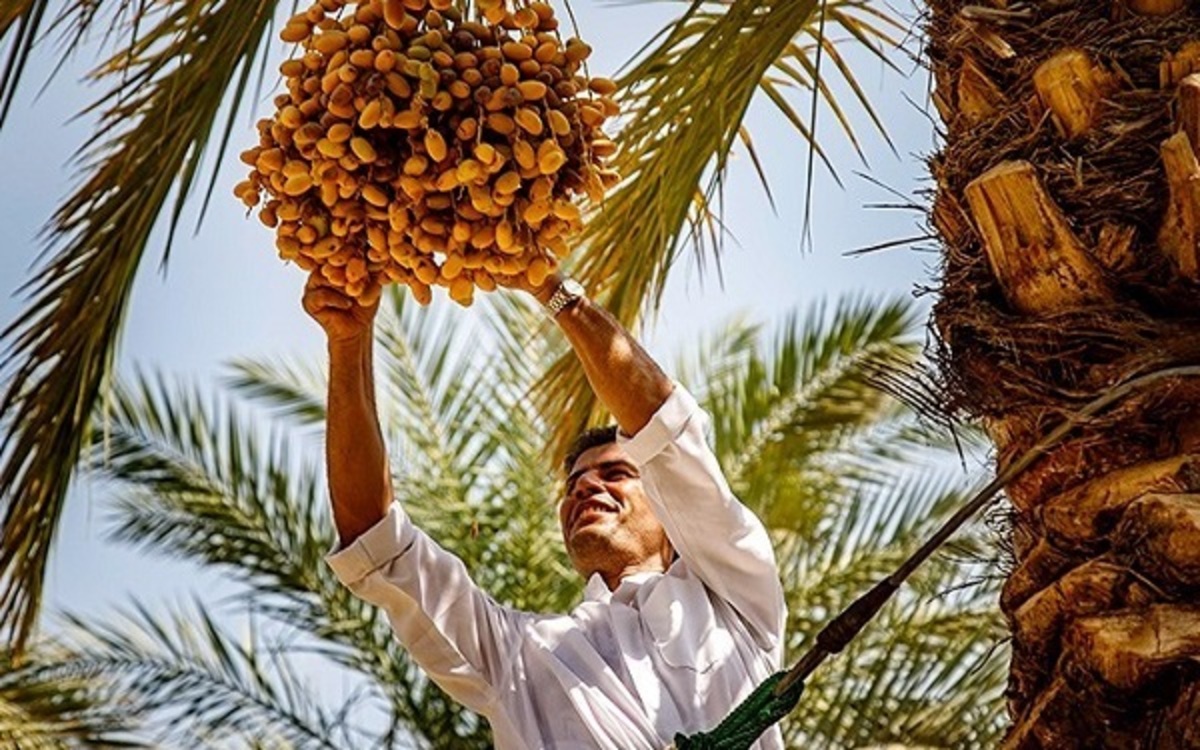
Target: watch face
[{"x": 573, "y": 288}]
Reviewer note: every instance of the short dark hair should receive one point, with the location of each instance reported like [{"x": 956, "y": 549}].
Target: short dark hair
[{"x": 586, "y": 440}]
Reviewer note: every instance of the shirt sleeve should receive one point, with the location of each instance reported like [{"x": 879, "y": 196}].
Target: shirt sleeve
[
  {"x": 453, "y": 630},
  {"x": 718, "y": 537}
]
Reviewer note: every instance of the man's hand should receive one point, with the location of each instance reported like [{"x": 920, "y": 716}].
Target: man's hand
[
  {"x": 340, "y": 315},
  {"x": 521, "y": 282}
]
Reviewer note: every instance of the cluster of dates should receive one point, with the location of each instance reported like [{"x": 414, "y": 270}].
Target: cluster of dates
[{"x": 418, "y": 147}]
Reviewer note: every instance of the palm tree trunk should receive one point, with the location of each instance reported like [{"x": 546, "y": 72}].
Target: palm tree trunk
[{"x": 1068, "y": 203}]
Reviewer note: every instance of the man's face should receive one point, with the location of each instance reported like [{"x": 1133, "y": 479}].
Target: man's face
[{"x": 607, "y": 523}]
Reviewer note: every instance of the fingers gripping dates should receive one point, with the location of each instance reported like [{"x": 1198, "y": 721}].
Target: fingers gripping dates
[
  {"x": 417, "y": 146},
  {"x": 341, "y": 317}
]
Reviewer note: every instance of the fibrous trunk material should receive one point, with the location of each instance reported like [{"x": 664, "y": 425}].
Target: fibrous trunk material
[{"x": 1068, "y": 206}]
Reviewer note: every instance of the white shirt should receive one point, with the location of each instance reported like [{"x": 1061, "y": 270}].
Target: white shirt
[{"x": 625, "y": 670}]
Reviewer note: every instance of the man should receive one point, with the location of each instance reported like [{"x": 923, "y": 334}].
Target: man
[{"x": 683, "y": 613}]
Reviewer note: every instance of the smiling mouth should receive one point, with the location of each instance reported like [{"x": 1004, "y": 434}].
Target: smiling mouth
[{"x": 592, "y": 507}]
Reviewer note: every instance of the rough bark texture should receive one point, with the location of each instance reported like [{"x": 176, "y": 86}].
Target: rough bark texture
[{"x": 1068, "y": 205}]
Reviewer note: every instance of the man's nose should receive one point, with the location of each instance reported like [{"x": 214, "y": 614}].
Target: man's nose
[{"x": 586, "y": 485}]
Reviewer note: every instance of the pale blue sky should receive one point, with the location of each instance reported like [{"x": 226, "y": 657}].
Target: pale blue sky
[{"x": 227, "y": 296}]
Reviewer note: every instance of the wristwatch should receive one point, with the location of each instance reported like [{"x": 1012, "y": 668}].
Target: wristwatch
[{"x": 568, "y": 293}]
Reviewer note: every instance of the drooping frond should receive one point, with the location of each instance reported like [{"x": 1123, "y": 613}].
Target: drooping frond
[
  {"x": 158, "y": 115},
  {"x": 25, "y": 24},
  {"x": 685, "y": 101}
]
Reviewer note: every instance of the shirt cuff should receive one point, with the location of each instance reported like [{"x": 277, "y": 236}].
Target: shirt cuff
[
  {"x": 662, "y": 429},
  {"x": 389, "y": 538}
]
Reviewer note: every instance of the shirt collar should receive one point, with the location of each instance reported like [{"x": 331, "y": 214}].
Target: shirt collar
[{"x": 597, "y": 590}]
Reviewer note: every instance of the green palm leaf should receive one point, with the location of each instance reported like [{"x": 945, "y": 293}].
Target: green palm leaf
[
  {"x": 782, "y": 414},
  {"x": 43, "y": 707},
  {"x": 201, "y": 686},
  {"x": 155, "y": 122},
  {"x": 685, "y": 102},
  {"x": 289, "y": 390},
  {"x": 829, "y": 462},
  {"x": 904, "y": 679},
  {"x": 196, "y": 482}
]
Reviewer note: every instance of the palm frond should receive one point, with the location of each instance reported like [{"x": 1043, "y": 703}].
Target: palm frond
[
  {"x": 156, "y": 120},
  {"x": 685, "y": 102},
  {"x": 460, "y": 404},
  {"x": 872, "y": 30},
  {"x": 288, "y": 390},
  {"x": 781, "y": 411},
  {"x": 195, "y": 482},
  {"x": 20, "y": 25},
  {"x": 432, "y": 403},
  {"x": 24, "y": 24},
  {"x": 201, "y": 686},
  {"x": 906, "y": 679},
  {"x": 200, "y": 483},
  {"x": 45, "y": 708}
]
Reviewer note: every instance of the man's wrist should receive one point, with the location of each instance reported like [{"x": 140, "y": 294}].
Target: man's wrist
[
  {"x": 568, "y": 294},
  {"x": 544, "y": 292},
  {"x": 352, "y": 344}
]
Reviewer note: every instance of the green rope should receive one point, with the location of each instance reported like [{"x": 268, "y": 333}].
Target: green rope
[{"x": 746, "y": 723}]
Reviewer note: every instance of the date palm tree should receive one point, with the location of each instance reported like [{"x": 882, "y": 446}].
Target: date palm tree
[
  {"x": 232, "y": 482},
  {"x": 1067, "y": 206},
  {"x": 175, "y": 85}
]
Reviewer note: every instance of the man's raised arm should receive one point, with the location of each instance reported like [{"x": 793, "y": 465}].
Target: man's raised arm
[
  {"x": 624, "y": 377},
  {"x": 356, "y": 460},
  {"x": 720, "y": 539},
  {"x": 450, "y": 627}
]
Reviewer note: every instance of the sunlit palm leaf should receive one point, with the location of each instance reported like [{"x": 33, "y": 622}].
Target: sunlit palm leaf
[
  {"x": 289, "y": 390},
  {"x": 201, "y": 685},
  {"x": 787, "y": 419},
  {"x": 781, "y": 413},
  {"x": 903, "y": 679},
  {"x": 201, "y": 471},
  {"x": 44, "y": 708},
  {"x": 156, "y": 119},
  {"x": 685, "y": 102},
  {"x": 432, "y": 406},
  {"x": 195, "y": 483}
]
